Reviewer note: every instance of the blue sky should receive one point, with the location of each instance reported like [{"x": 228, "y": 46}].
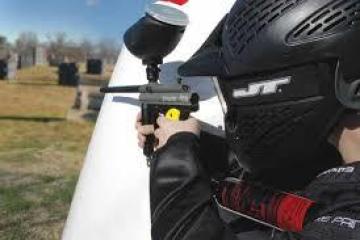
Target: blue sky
[{"x": 93, "y": 19}]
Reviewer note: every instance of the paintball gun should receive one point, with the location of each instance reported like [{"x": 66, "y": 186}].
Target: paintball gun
[{"x": 152, "y": 38}]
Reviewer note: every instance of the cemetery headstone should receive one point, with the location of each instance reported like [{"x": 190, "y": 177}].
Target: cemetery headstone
[
  {"x": 32, "y": 57},
  {"x": 12, "y": 66},
  {"x": 68, "y": 74},
  {"x": 26, "y": 58},
  {"x": 94, "y": 66},
  {"x": 3, "y": 69},
  {"x": 40, "y": 56}
]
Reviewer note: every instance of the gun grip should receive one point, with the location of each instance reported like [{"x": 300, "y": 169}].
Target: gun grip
[{"x": 148, "y": 117}]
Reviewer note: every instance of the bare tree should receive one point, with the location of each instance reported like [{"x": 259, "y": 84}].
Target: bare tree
[
  {"x": 4, "y": 47},
  {"x": 57, "y": 47},
  {"x": 26, "y": 41},
  {"x": 3, "y": 41},
  {"x": 87, "y": 49},
  {"x": 108, "y": 49}
]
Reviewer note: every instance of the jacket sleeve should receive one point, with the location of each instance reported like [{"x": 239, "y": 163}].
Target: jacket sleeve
[
  {"x": 337, "y": 212},
  {"x": 337, "y": 193},
  {"x": 180, "y": 194}
]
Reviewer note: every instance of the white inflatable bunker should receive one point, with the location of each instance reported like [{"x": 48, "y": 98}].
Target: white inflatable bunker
[{"x": 111, "y": 201}]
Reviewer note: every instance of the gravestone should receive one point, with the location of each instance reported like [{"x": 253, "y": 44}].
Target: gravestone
[
  {"x": 33, "y": 56},
  {"x": 88, "y": 100},
  {"x": 26, "y": 58},
  {"x": 8, "y": 67},
  {"x": 68, "y": 74},
  {"x": 40, "y": 56},
  {"x": 89, "y": 96},
  {"x": 94, "y": 66},
  {"x": 3, "y": 69},
  {"x": 12, "y": 66}
]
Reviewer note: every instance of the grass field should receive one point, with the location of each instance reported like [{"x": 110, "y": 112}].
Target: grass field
[{"x": 40, "y": 155}]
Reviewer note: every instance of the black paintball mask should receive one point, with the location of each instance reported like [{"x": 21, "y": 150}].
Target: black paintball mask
[{"x": 287, "y": 70}]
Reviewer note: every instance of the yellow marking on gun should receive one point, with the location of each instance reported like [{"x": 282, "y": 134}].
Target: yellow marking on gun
[{"x": 173, "y": 114}]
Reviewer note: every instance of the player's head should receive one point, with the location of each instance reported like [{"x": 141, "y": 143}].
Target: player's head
[{"x": 288, "y": 69}]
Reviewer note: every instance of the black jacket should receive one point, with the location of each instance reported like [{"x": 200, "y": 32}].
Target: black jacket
[{"x": 182, "y": 205}]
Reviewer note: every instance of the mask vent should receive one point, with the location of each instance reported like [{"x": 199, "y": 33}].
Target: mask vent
[
  {"x": 249, "y": 17},
  {"x": 259, "y": 131},
  {"x": 337, "y": 16}
]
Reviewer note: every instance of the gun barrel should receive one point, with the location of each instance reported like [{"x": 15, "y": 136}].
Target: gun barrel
[
  {"x": 147, "y": 88},
  {"x": 124, "y": 89},
  {"x": 164, "y": 88}
]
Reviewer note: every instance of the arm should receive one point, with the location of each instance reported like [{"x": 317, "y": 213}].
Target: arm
[
  {"x": 181, "y": 198},
  {"x": 182, "y": 208}
]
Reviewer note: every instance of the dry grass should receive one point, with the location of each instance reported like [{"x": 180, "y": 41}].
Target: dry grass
[
  {"x": 37, "y": 75},
  {"x": 40, "y": 156},
  {"x": 35, "y": 94},
  {"x": 49, "y": 75},
  {"x": 32, "y": 101}
]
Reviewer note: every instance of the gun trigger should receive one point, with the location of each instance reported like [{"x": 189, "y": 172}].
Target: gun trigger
[{"x": 173, "y": 114}]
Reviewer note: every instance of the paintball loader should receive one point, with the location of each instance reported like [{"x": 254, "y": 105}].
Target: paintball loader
[{"x": 151, "y": 39}]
